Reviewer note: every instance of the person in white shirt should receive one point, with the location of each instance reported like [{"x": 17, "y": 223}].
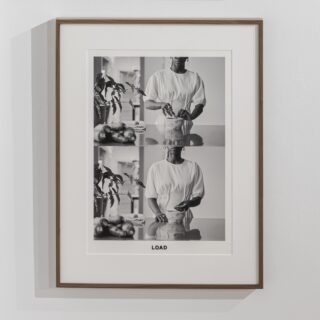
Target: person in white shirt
[
  {"x": 174, "y": 185},
  {"x": 178, "y": 88}
]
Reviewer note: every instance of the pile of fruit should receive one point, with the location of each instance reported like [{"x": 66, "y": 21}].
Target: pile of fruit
[
  {"x": 114, "y": 132},
  {"x": 115, "y": 226}
]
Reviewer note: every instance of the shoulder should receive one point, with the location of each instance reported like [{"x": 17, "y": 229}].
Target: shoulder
[
  {"x": 193, "y": 165},
  {"x": 156, "y": 166},
  {"x": 194, "y": 76},
  {"x": 198, "y": 78},
  {"x": 159, "y": 74},
  {"x": 190, "y": 164}
]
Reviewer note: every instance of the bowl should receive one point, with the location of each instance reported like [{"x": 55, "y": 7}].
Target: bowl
[{"x": 175, "y": 216}]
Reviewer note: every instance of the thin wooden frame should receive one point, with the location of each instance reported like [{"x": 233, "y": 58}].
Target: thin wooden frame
[{"x": 254, "y": 22}]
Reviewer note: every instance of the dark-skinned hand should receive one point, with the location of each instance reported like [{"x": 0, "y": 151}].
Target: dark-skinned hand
[
  {"x": 184, "y": 114},
  {"x": 161, "y": 218},
  {"x": 183, "y": 206}
]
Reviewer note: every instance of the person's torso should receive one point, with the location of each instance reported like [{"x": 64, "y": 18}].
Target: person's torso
[
  {"x": 173, "y": 183},
  {"x": 176, "y": 89}
]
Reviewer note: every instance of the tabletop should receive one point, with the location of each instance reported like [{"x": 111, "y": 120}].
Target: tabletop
[
  {"x": 198, "y": 135},
  {"x": 204, "y": 229}
]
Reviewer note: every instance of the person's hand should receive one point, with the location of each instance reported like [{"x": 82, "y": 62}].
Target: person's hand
[
  {"x": 161, "y": 218},
  {"x": 184, "y": 114},
  {"x": 167, "y": 110},
  {"x": 183, "y": 206}
]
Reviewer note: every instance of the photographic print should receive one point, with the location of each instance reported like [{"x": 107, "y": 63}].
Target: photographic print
[
  {"x": 159, "y": 153},
  {"x": 159, "y": 148}
]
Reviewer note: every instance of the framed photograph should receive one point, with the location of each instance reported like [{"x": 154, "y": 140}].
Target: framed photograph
[{"x": 159, "y": 153}]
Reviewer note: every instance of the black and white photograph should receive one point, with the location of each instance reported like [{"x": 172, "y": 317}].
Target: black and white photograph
[
  {"x": 160, "y": 153},
  {"x": 159, "y": 148}
]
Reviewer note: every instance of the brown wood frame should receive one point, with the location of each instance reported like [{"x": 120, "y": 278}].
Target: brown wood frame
[{"x": 259, "y": 24}]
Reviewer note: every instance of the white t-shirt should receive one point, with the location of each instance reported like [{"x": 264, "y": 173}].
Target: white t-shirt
[
  {"x": 179, "y": 89},
  {"x": 172, "y": 183}
]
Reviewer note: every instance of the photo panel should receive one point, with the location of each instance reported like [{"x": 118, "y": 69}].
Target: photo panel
[
  {"x": 159, "y": 156},
  {"x": 130, "y": 178},
  {"x": 168, "y": 100}
]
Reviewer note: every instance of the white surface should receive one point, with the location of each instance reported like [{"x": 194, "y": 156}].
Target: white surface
[
  {"x": 292, "y": 179},
  {"x": 214, "y": 263}
]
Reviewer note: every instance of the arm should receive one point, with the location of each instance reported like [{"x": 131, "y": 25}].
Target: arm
[
  {"x": 199, "y": 99},
  {"x": 197, "y": 191},
  {"x": 185, "y": 205},
  {"x": 184, "y": 114},
  {"x": 153, "y": 105},
  {"x": 160, "y": 217},
  {"x": 198, "y": 109}
]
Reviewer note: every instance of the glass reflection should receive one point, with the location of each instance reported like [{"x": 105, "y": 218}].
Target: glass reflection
[{"x": 172, "y": 230}]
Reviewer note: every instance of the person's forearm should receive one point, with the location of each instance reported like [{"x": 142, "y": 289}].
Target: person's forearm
[
  {"x": 153, "y": 205},
  {"x": 153, "y": 105},
  {"x": 197, "y": 111},
  {"x": 194, "y": 202}
]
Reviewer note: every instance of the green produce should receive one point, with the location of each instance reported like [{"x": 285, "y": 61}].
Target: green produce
[
  {"x": 96, "y": 221},
  {"x": 104, "y": 223},
  {"x": 129, "y": 134},
  {"x": 130, "y": 232},
  {"x": 115, "y": 220},
  {"x": 129, "y": 130},
  {"x": 116, "y": 232},
  {"x": 118, "y": 137},
  {"x": 100, "y": 136},
  {"x": 107, "y": 129},
  {"x": 98, "y": 231},
  {"x": 127, "y": 226},
  {"x": 117, "y": 126},
  {"x": 99, "y": 127}
]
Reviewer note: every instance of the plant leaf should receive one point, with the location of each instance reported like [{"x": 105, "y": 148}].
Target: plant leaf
[
  {"x": 119, "y": 103},
  {"x": 114, "y": 106},
  {"x": 111, "y": 198},
  {"x": 139, "y": 183},
  {"x": 119, "y": 178},
  {"x": 130, "y": 85},
  {"x": 121, "y": 87},
  {"x": 140, "y": 91},
  {"x": 98, "y": 189},
  {"x": 109, "y": 84},
  {"x": 117, "y": 196},
  {"x": 111, "y": 79},
  {"x": 105, "y": 175},
  {"x": 108, "y": 170},
  {"x": 97, "y": 173},
  {"x": 131, "y": 104}
]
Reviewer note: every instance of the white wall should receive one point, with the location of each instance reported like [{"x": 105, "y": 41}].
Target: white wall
[{"x": 291, "y": 167}]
